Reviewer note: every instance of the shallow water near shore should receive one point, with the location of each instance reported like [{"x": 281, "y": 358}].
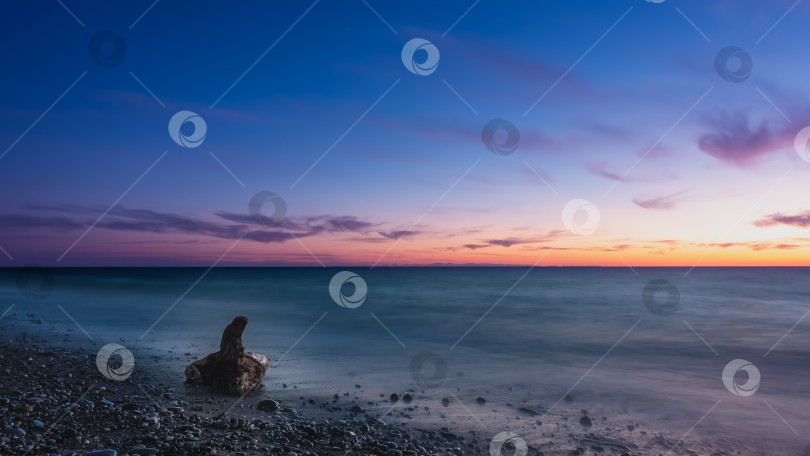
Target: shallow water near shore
[{"x": 563, "y": 342}]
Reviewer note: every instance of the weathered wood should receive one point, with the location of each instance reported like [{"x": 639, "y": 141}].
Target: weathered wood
[{"x": 231, "y": 370}]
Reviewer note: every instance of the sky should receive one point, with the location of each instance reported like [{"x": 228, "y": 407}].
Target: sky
[{"x": 551, "y": 133}]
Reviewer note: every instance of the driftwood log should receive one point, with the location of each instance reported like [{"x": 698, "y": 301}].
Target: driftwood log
[{"x": 231, "y": 370}]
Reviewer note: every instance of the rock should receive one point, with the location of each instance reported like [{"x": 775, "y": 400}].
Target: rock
[
  {"x": 446, "y": 402},
  {"x": 531, "y": 412},
  {"x": 268, "y": 405},
  {"x": 407, "y": 398},
  {"x": 394, "y": 397},
  {"x": 220, "y": 424},
  {"x": 480, "y": 401},
  {"x": 14, "y": 430},
  {"x": 144, "y": 451},
  {"x": 107, "y": 452},
  {"x": 231, "y": 370},
  {"x": 585, "y": 421}
]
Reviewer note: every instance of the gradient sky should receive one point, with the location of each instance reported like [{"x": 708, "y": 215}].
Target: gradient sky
[{"x": 685, "y": 168}]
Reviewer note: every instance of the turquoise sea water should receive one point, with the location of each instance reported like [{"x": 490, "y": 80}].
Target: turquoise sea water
[{"x": 520, "y": 336}]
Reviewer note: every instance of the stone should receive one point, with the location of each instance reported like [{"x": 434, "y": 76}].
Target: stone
[
  {"x": 106, "y": 452},
  {"x": 586, "y": 421},
  {"x": 268, "y": 405}
]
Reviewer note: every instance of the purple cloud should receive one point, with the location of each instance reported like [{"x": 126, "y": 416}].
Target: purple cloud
[
  {"x": 509, "y": 242},
  {"x": 665, "y": 202},
  {"x": 801, "y": 220},
  {"x": 145, "y": 220},
  {"x": 397, "y": 234},
  {"x": 738, "y": 142},
  {"x": 601, "y": 169}
]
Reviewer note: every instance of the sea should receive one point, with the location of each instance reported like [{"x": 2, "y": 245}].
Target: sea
[{"x": 708, "y": 360}]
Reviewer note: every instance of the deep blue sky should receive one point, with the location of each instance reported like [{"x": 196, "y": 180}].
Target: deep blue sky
[{"x": 387, "y": 173}]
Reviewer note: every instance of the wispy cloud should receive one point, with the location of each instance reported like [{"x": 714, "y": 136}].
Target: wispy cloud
[
  {"x": 397, "y": 234},
  {"x": 146, "y": 220},
  {"x": 509, "y": 242},
  {"x": 801, "y": 220},
  {"x": 740, "y": 141},
  {"x": 601, "y": 169},
  {"x": 665, "y": 202}
]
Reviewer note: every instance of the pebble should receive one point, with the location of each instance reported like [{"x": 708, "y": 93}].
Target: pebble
[
  {"x": 268, "y": 405},
  {"x": 59, "y": 385},
  {"x": 480, "y": 401},
  {"x": 107, "y": 452},
  {"x": 14, "y": 430}
]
